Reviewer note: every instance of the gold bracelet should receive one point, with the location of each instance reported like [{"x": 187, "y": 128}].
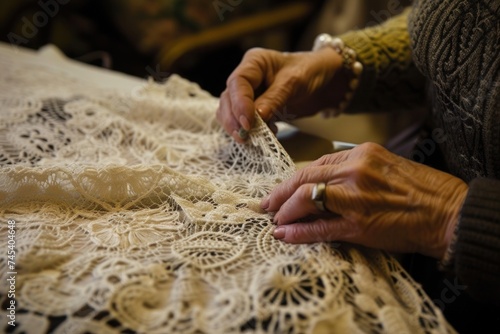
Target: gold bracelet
[{"x": 349, "y": 62}]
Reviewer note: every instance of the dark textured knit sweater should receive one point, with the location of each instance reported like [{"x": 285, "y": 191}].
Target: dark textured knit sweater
[{"x": 454, "y": 45}]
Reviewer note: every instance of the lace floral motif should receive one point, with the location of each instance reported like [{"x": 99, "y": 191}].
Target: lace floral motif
[
  {"x": 134, "y": 229},
  {"x": 136, "y": 213}
]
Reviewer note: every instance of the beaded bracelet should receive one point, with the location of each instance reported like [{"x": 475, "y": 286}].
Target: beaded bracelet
[{"x": 349, "y": 62}]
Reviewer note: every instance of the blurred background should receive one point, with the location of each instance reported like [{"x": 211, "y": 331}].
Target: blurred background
[{"x": 201, "y": 40}]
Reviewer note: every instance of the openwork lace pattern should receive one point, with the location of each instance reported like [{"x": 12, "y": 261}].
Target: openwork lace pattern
[{"x": 135, "y": 213}]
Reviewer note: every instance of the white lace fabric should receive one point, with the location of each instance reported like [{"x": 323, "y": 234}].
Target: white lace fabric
[{"x": 136, "y": 213}]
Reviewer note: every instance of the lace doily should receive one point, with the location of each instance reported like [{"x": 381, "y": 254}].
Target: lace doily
[{"x": 134, "y": 212}]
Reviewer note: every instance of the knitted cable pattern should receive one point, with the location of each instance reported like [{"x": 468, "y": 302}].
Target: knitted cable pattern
[
  {"x": 390, "y": 80},
  {"x": 456, "y": 45}
]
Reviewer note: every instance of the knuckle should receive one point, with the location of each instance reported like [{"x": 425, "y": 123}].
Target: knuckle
[
  {"x": 323, "y": 160},
  {"x": 306, "y": 233},
  {"x": 255, "y": 51},
  {"x": 329, "y": 159},
  {"x": 295, "y": 79},
  {"x": 302, "y": 192},
  {"x": 370, "y": 149},
  {"x": 371, "y": 156},
  {"x": 232, "y": 77},
  {"x": 294, "y": 235},
  {"x": 357, "y": 216},
  {"x": 260, "y": 53},
  {"x": 279, "y": 97},
  {"x": 359, "y": 170},
  {"x": 300, "y": 177},
  {"x": 255, "y": 54},
  {"x": 318, "y": 231}
]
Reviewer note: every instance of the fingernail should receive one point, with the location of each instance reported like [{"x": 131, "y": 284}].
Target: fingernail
[
  {"x": 245, "y": 123},
  {"x": 279, "y": 232},
  {"x": 242, "y": 133},
  {"x": 261, "y": 113},
  {"x": 265, "y": 203}
]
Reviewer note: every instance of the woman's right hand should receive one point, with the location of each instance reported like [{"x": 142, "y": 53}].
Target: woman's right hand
[{"x": 292, "y": 85}]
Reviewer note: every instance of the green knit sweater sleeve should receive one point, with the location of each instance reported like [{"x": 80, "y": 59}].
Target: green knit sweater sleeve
[{"x": 390, "y": 80}]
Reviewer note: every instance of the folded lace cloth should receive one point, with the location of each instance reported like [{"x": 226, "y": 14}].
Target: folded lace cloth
[{"x": 135, "y": 212}]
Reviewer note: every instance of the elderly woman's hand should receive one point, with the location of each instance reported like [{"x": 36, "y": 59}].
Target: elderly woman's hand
[
  {"x": 375, "y": 198},
  {"x": 297, "y": 84}
]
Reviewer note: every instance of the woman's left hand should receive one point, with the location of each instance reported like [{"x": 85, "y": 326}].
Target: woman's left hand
[{"x": 374, "y": 198}]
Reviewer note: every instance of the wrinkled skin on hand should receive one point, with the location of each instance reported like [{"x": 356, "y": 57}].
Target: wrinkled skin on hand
[
  {"x": 298, "y": 84},
  {"x": 375, "y": 198}
]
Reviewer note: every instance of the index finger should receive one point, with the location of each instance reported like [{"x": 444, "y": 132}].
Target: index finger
[
  {"x": 241, "y": 94},
  {"x": 321, "y": 170},
  {"x": 280, "y": 194},
  {"x": 241, "y": 86}
]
